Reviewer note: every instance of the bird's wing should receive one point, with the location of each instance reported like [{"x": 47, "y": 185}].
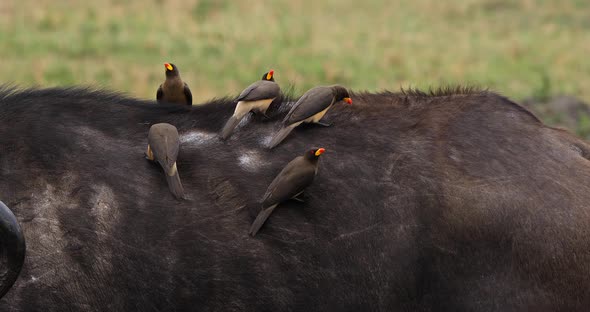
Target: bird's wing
[
  {"x": 188, "y": 94},
  {"x": 165, "y": 143},
  {"x": 292, "y": 180},
  {"x": 260, "y": 90},
  {"x": 160, "y": 93},
  {"x": 311, "y": 103},
  {"x": 247, "y": 91}
]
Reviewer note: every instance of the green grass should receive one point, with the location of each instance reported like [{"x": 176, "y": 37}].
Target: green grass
[{"x": 516, "y": 47}]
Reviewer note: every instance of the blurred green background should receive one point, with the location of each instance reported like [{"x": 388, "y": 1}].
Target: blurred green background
[{"x": 525, "y": 49}]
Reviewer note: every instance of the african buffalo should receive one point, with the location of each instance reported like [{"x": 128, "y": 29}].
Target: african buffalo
[{"x": 452, "y": 200}]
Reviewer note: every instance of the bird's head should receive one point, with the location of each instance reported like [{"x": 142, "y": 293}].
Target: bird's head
[
  {"x": 314, "y": 153},
  {"x": 341, "y": 94},
  {"x": 269, "y": 75},
  {"x": 171, "y": 70}
]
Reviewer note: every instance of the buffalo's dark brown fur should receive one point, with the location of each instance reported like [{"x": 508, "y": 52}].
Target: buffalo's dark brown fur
[{"x": 452, "y": 200}]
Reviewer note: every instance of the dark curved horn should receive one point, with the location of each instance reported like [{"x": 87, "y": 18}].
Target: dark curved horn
[{"x": 12, "y": 249}]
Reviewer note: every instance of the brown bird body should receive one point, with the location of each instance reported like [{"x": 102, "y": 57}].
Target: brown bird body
[
  {"x": 257, "y": 97},
  {"x": 174, "y": 90},
  {"x": 290, "y": 183},
  {"x": 311, "y": 107},
  {"x": 163, "y": 147}
]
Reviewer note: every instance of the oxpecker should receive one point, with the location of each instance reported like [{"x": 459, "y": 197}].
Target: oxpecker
[
  {"x": 255, "y": 98},
  {"x": 174, "y": 90},
  {"x": 163, "y": 146},
  {"x": 289, "y": 184},
  {"x": 311, "y": 107}
]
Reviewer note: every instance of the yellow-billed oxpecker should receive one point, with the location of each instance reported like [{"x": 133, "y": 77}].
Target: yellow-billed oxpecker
[
  {"x": 289, "y": 184},
  {"x": 255, "y": 98},
  {"x": 163, "y": 146},
  {"x": 174, "y": 90},
  {"x": 311, "y": 107}
]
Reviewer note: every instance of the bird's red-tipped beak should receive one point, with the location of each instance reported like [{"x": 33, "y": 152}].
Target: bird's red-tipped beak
[
  {"x": 320, "y": 151},
  {"x": 168, "y": 66},
  {"x": 348, "y": 100},
  {"x": 269, "y": 75}
]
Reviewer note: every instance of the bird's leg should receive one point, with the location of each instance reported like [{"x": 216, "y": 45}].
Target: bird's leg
[
  {"x": 252, "y": 113},
  {"x": 299, "y": 197},
  {"x": 324, "y": 124},
  {"x": 262, "y": 112}
]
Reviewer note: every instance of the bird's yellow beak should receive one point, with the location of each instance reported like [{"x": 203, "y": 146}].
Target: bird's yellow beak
[
  {"x": 149, "y": 154},
  {"x": 348, "y": 100},
  {"x": 320, "y": 151},
  {"x": 168, "y": 66},
  {"x": 269, "y": 75}
]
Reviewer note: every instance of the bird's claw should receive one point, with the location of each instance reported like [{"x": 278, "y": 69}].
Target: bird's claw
[
  {"x": 299, "y": 198},
  {"x": 323, "y": 124}
]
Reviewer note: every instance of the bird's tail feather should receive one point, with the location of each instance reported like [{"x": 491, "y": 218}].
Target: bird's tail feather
[
  {"x": 230, "y": 125},
  {"x": 281, "y": 135},
  {"x": 260, "y": 219},
  {"x": 175, "y": 186}
]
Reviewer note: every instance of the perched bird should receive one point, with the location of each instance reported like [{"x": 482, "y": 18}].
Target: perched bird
[
  {"x": 163, "y": 146},
  {"x": 289, "y": 184},
  {"x": 311, "y": 107},
  {"x": 174, "y": 90},
  {"x": 255, "y": 98}
]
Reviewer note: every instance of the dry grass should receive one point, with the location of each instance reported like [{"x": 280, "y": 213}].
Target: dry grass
[{"x": 221, "y": 45}]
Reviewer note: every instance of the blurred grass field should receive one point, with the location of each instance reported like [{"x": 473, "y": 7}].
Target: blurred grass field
[{"x": 520, "y": 48}]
